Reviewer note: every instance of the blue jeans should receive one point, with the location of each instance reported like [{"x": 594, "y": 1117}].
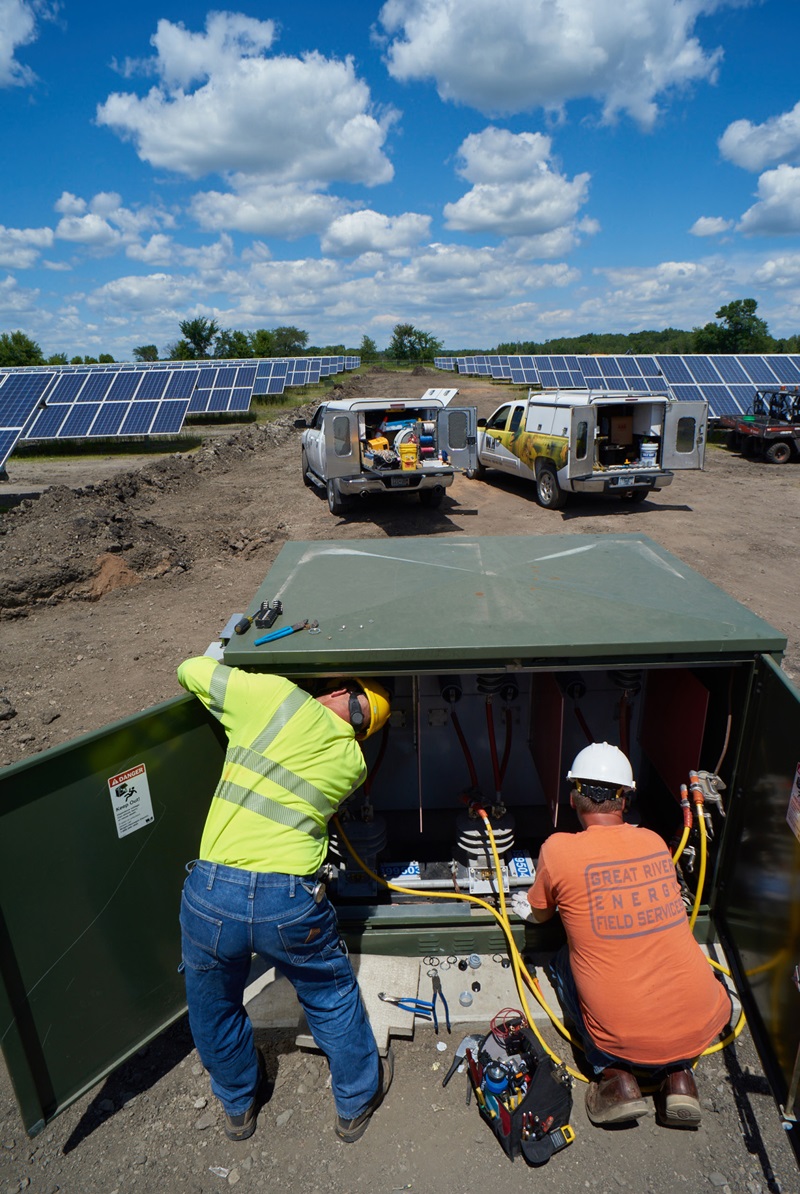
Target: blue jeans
[
  {"x": 560, "y": 973},
  {"x": 229, "y": 914}
]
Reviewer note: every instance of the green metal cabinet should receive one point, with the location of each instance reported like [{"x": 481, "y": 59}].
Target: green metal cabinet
[{"x": 504, "y": 656}]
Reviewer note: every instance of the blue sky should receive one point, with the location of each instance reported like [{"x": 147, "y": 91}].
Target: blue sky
[{"x": 488, "y": 170}]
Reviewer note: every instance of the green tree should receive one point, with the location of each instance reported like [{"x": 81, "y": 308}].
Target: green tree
[
  {"x": 289, "y": 341},
  {"x": 181, "y": 350},
  {"x": 106, "y": 358},
  {"x": 57, "y": 358},
  {"x": 232, "y": 345},
  {"x": 739, "y": 330},
  {"x": 199, "y": 334},
  {"x": 262, "y": 343},
  {"x": 18, "y": 349},
  {"x": 412, "y": 344},
  {"x": 368, "y": 350},
  {"x": 145, "y": 352},
  {"x": 76, "y": 360}
]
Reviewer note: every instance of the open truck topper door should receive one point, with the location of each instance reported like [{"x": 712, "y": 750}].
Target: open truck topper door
[
  {"x": 340, "y": 440},
  {"x": 582, "y": 433},
  {"x": 684, "y": 434},
  {"x": 95, "y": 835},
  {"x": 458, "y": 435}
]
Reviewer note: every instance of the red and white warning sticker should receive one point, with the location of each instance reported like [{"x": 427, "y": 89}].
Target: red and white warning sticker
[{"x": 130, "y": 800}]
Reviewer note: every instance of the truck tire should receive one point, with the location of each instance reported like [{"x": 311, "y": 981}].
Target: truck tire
[
  {"x": 336, "y": 503},
  {"x": 431, "y": 499},
  {"x": 548, "y": 491},
  {"x": 476, "y": 474},
  {"x": 778, "y": 452},
  {"x": 304, "y": 466}
]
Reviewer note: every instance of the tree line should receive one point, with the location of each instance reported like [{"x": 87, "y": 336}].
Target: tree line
[{"x": 738, "y": 329}]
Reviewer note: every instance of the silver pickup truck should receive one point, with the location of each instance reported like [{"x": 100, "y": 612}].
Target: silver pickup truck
[{"x": 356, "y": 447}]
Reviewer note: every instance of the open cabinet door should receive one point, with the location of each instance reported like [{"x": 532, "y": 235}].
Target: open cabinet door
[
  {"x": 94, "y": 839},
  {"x": 756, "y": 905}
]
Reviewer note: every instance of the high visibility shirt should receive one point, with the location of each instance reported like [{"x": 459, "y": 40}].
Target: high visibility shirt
[{"x": 289, "y": 764}]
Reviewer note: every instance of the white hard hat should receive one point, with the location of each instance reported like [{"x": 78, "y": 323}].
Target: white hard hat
[{"x": 603, "y": 764}]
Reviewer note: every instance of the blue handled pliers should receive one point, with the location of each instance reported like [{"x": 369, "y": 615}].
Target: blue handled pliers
[
  {"x": 417, "y": 1007},
  {"x": 270, "y": 638}
]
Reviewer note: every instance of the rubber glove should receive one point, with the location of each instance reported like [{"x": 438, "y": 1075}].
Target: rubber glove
[{"x": 520, "y": 905}]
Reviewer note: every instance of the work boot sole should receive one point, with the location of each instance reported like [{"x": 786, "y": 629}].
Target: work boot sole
[{"x": 679, "y": 1111}]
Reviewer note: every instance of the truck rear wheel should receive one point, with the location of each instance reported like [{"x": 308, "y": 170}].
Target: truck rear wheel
[
  {"x": 336, "y": 503},
  {"x": 431, "y": 498},
  {"x": 548, "y": 491},
  {"x": 779, "y": 452}
]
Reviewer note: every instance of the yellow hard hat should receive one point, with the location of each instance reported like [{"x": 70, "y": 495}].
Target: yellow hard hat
[{"x": 379, "y": 706}]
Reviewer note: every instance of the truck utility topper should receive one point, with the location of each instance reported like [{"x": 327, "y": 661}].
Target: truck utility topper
[
  {"x": 356, "y": 447},
  {"x": 623, "y": 443}
]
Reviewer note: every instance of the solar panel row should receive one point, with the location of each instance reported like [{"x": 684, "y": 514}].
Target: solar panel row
[
  {"x": 727, "y": 383},
  {"x": 141, "y": 398}
]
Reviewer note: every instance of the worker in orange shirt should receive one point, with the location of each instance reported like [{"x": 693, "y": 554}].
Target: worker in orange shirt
[{"x": 631, "y": 977}]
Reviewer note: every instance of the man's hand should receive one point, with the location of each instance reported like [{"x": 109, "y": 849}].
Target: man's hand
[{"x": 520, "y": 905}]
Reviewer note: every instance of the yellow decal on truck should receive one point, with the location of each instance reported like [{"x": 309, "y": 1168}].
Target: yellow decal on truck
[{"x": 527, "y": 445}]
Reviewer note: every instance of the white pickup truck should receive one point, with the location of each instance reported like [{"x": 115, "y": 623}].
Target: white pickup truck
[
  {"x": 354, "y": 447},
  {"x": 619, "y": 443}
]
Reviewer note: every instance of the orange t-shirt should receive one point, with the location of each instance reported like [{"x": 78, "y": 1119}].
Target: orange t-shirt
[{"x": 647, "y": 992}]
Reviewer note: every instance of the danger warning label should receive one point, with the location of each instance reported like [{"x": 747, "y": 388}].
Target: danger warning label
[
  {"x": 631, "y": 898},
  {"x": 130, "y": 800}
]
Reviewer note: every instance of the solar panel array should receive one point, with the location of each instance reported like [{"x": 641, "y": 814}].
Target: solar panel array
[
  {"x": 727, "y": 383},
  {"x": 80, "y": 401}
]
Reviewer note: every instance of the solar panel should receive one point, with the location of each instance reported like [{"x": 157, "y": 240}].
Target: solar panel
[
  {"x": 79, "y": 420},
  {"x": 95, "y": 387},
  {"x": 48, "y": 422},
  {"x": 153, "y": 385},
  {"x": 784, "y": 369},
  {"x": 757, "y": 370},
  {"x": 701, "y": 369},
  {"x": 138, "y": 419},
  {"x": 109, "y": 419},
  {"x": 170, "y": 417},
  {"x": 20, "y": 394},
  {"x": 182, "y": 383},
  {"x": 123, "y": 387}
]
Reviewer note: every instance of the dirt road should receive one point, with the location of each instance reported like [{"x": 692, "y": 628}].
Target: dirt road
[{"x": 116, "y": 574}]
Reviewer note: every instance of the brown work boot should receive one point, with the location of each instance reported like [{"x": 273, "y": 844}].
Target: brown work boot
[
  {"x": 241, "y": 1127},
  {"x": 351, "y": 1130},
  {"x": 677, "y": 1104},
  {"x": 615, "y": 1098}
]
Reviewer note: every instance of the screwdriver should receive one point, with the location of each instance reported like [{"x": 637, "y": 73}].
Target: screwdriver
[
  {"x": 269, "y": 638},
  {"x": 267, "y": 615}
]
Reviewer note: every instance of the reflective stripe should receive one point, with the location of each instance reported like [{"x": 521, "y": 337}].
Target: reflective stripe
[
  {"x": 280, "y": 775},
  {"x": 280, "y": 718},
  {"x": 272, "y": 809},
  {"x": 217, "y": 689}
]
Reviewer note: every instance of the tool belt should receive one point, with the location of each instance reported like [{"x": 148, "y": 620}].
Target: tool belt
[{"x": 530, "y": 1115}]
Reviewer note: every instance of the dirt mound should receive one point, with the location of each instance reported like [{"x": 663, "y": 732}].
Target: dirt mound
[{"x": 83, "y": 543}]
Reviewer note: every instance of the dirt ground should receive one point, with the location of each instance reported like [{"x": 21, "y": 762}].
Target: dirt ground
[{"x": 119, "y": 571}]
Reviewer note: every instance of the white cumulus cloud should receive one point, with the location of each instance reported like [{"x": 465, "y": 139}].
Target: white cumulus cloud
[
  {"x": 518, "y": 55},
  {"x": 103, "y": 223},
  {"x": 265, "y": 209},
  {"x": 222, "y": 104},
  {"x": 777, "y": 211},
  {"x": 516, "y": 192},
  {"x": 17, "y": 28},
  {"x": 20, "y": 248},
  {"x": 361, "y": 232},
  {"x": 754, "y": 146},
  {"x": 710, "y": 226}
]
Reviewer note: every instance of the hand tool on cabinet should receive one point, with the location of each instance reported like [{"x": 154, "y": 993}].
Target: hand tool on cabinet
[
  {"x": 438, "y": 994},
  {"x": 265, "y": 617},
  {"x": 276, "y": 634}
]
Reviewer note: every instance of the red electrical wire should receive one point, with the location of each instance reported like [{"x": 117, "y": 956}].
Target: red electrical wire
[{"x": 473, "y": 775}]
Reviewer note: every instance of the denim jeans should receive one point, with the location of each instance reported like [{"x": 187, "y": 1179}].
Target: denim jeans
[
  {"x": 229, "y": 914},
  {"x": 560, "y": 973}
]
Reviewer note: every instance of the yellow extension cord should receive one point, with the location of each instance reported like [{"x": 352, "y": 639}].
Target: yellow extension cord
[{"x": 520, "y": 970}]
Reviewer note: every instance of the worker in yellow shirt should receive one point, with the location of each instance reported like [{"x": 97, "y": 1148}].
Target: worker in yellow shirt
[{"x": 291, "y": 760}]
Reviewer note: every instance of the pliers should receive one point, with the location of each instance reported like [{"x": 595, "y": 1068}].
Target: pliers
[
  {"x": 417, "y": 1007},
  {"x": 438, "y": 994}
]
